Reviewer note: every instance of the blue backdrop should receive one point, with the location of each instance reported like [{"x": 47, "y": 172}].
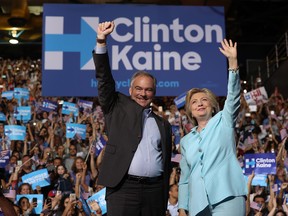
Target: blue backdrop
[{"x": 177, "y": 44}]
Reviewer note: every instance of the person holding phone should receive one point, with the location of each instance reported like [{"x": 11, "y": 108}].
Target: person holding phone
[
  {"x": 26, "y": 207},
  {"x": 137, "y": 160},
  {"x": 211, "y": 180}
]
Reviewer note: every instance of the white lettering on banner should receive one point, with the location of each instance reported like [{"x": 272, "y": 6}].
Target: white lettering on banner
[
  {"x": 263, "y": 165},
  {"x": 16, "y": 132},
  {"x": 190, "y": 60},
  {"x": 265, "y": 160},
  {"x": 25, "y": 112},
  {"x": 144, "y": 31},
  {"x": 37, "y": 178},
  {"x": 79, "y": 130}
]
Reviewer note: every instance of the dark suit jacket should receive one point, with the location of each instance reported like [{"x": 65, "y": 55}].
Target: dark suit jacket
[{"x": 123, "y": 119}]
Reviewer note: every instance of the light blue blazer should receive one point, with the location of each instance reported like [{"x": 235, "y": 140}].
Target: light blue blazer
[{"x": 210, "y": 171}]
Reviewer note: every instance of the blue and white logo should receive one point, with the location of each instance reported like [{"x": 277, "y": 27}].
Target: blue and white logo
[
  {"x": 180, "y": 47},
  {"x": 57, "y": 42},
  {"x": 260, "y": 163},
  {"x": 250, "y": 163}
]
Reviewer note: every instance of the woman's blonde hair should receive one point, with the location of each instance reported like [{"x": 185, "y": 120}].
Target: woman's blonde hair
[{"x": 211, "y": 97}]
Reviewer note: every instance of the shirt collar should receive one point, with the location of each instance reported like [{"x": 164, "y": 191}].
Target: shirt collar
[
  {"x": 194, "y": 129},
  {"x": 147, "y": 111}
]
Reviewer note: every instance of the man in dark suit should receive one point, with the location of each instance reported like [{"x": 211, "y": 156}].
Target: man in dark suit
[{"x": 136, "y": 164}]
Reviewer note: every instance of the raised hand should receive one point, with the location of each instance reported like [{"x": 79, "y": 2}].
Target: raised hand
[
  {"x": 230, "y": 51},
  {"x": 104, "y": 29}
]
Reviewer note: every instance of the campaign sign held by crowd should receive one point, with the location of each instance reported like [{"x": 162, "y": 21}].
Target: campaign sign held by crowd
[
  {"x": 48, "y": 105},
  {"x": 264, "y": 163},
  {"x": 99, "y": 197},
  {"x": 15, "y": 132},
  {"x": 37, "y": 178},
  {"x": 68, "y": 107},
  {"x": 76, "y": 130},
  {"x": 22, "y": 113}
]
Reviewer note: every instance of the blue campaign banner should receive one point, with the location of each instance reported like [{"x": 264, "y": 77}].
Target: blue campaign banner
[
  {"x": 15, "y": 132},
  {"x": 20, "y": 93},
  {"x": 8, "y": 95},
  {"x": 37, "y": 210},
  {"x": 260, "y": 180},
  {"x": 68, "y": 108},
  {"x": 86, "y": 106},
  {"x": 4, "y": 158},
  {"x": 48, "y": 105},
  {"x": 179, "y": 47},
  {"x": 37, "y": 178},
  {"x": 75, "y": 130},
  {"x": 85, "y": 206},
  {"x": 261, "y": 163},
  {"x": 22, "y": 113},
  {"x": 100, "y": 143},
  {"x": 2, "y": 117},
  {"x": 99, "y": 197},
  {"x": 180, "y": 100}
]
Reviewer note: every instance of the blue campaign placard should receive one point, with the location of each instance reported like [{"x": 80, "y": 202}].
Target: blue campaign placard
[
  {"x": 85, "y": 206},
  {"x": 76, "y": 130},
  {"x": 264, "y": 163},
  {"x": 99, "y": 144},
  {"x": 8, "y": 94},
  {"x": 179, "y": 47},
  {"x": 68, "y": 107},
  {"x": 22, "y": 113},
  {"x": 20, "y": 93},
  {"x": 48, "y": 105},
  {"x": 180, "y": 100},
  {"x": 85, "y": 105},
  {"x": 260, "y": 179},
  {"x": 15, "y": 132},
  {"x": 4, "y": 158},
  {"x": 99, "y": 197},
  {"x": 37, "y": 210},
  {"x": 2, "y": 117},
  {"x": 37, "y": 178}
]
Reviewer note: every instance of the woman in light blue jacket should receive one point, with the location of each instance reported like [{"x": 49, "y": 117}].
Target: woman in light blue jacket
[{"x": 211, "y": 181}]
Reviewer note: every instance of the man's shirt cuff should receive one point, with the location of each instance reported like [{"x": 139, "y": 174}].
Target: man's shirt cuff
[{"x": 100, "y": 50}]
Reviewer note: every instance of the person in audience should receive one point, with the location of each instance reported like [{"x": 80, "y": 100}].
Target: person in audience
[
  {"x": 173, "y": 200},
  {"x": 25, "y": 188},
  {"x": 62, "y": 180}
]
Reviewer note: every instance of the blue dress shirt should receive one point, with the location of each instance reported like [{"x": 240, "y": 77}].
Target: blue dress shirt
[{"x": 147, "y": 160}]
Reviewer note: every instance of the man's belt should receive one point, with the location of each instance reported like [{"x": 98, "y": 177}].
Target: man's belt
[{"x": 143, "y": 179}]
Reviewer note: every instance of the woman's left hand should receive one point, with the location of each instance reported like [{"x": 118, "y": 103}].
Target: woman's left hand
[{"x": 229, "y": 49}]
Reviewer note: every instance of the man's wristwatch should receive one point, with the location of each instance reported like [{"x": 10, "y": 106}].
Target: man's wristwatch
[{"x": 101, "y": 41}]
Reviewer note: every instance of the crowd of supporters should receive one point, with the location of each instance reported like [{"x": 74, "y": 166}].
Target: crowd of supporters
[{"x": 73, "y": 163}]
